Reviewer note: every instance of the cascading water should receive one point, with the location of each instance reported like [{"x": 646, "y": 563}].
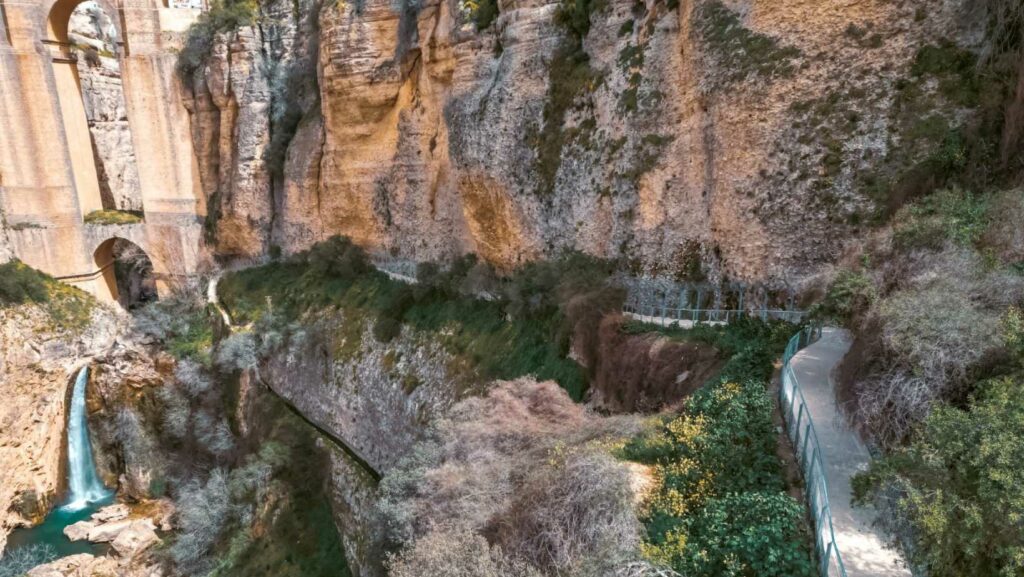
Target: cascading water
[
  {"x": 84, "y": 486},
  {"x": 86, "y": 494}
]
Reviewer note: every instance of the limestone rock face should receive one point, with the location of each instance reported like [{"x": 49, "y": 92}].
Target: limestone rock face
[
  {"x": 378, "y": 397},
  {"x": 670, "y": 144},
  {"x": 37, "y": 366}
]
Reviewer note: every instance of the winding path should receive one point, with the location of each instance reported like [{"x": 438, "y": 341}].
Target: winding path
[{"x": 863, "y": 547}]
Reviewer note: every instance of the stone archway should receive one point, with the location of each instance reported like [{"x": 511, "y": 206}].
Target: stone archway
[
  {"x": 89, "y": 171},
  {"x": 126, "y": 273}
]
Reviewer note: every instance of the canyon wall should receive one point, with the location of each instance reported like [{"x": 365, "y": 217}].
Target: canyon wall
[{"x": 733, "y": 138}]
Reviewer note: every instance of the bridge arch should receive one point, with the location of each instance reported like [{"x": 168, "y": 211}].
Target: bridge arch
[
  {"x": 126, "y": 273},
  {"x": 58, "y": 16},
  {"x": 90, "y": 154}
]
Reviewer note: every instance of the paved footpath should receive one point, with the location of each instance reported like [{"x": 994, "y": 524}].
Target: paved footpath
[{"x": 864, "y": 548}]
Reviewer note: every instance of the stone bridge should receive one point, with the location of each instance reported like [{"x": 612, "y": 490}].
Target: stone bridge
[{"x": 48, "y": 178}]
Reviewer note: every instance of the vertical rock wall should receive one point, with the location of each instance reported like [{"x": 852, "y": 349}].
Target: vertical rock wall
[{"x": 731, "y": 133}]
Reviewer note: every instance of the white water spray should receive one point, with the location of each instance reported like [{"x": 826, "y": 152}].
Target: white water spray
[{"x": 84, "y": 485}]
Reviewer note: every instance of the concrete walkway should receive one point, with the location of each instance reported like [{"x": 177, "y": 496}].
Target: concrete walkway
[{"x": 863, "y": 548}]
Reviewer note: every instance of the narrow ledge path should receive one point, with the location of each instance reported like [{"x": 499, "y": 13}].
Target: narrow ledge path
[{"x": 864, "y": 547}]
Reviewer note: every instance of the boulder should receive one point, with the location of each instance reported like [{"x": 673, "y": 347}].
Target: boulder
[
  {"x": 79, "y": 530},
  {"x": 63, "y": 566},
  {"x": 111, "y": 513},
  {"x": 136, "y": 538},
  {"x": 108, "y": 531}
]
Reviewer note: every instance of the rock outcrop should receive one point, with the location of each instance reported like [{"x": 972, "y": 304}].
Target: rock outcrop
[{"x": 731, "y": 133}]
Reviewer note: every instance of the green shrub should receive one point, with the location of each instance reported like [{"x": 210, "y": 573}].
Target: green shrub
[
  {"x": 525, "y": 330},
  {"x": 69, "y": 308},
  {"x": 850, "y": 293},
  {"x": 386, "y": 328},
  {"x": 962, "y": 484},
  {"x": 338, "y": 257},
  {"x": 949, "y": 215},
  {"x": 483, "y": 12},
  {"x": 20, "y": 283},
  {"x": 718, "y": 506},
  {"x": 222, "y": 16}
]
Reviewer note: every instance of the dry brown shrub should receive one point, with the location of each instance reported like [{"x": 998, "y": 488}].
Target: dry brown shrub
[
  {"x": 527, "y": 468},
  {"x": 927, "y": 340}
]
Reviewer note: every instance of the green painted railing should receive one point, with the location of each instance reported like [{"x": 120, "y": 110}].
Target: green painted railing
[{"x": 801, "y": 432}]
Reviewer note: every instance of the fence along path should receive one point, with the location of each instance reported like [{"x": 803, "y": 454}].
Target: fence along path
[{"x": 829, "y": 454}]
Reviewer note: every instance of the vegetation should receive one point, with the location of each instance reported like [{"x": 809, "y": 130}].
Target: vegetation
[
  {"x": 294, "y": 93},
  {"x": 719, "y": 506},
  {"x": 525, "y": 328},
  {"x": 181, "y": 322},
  {"x": 959, "y": 482},
  {"x": 738, "y": 51},
  {"x": 570, "y": 80},
  {"x": 222, "y": 16},
  {"x": 19, "y": 562},
  {"x": 849, "y": 293},
  {"x": 950, "y": 215},
  {"x": 526, "y": 467},
  {"x": 245, "y": 505},
  {"x": 69, "y": 308},
  {"x": 927, "y": 308},
  {"x": 482, "y": 12},
  {"x": 109, "y": 216}
]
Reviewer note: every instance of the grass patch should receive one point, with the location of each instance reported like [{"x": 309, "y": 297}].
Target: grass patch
[
  {"x": 114, "y": 217},
  {"x": 719, "y": 505},
  {"x": 68, "y": 307}
]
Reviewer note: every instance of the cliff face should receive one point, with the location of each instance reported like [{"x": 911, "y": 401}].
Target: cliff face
[{"x": 732, "y": 134}]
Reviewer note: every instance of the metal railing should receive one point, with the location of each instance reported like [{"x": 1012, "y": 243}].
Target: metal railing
[
  {"x": 669, "y": 316},
  {"x": 801, "y": 432}
]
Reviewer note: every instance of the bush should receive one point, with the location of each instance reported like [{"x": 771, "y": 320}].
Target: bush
[
  {"x": 851, "y": 293},
  {"x": 946, "y": 216},
  {"x": 20, "y": 284},
  {"x": 338, "y": 257},
  {"x": 483, "y": 12},
  {"x": 202, "y": 513},
  {"x": 755, "y": 533},
  {"x": 454, "y": 553},
  {"x": 522, "y": 329},
  {"x": 962, "y": 484},
  {"x": 526, "y": 466},
  {"x": 18, "y": 562},
  {"x": 192, "y": 377},
  {"x": 237, "y": 352},
  {"x": 386, "y": 328},
  {"x": 222, "y": 16},
  {"x": 718, "y": 504}
]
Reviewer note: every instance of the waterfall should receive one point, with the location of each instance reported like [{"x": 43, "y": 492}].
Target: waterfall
[{"x": 84, "y": 485}]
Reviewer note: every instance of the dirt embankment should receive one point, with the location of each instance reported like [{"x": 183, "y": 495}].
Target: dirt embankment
[{"x": 646, "y": 372}]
